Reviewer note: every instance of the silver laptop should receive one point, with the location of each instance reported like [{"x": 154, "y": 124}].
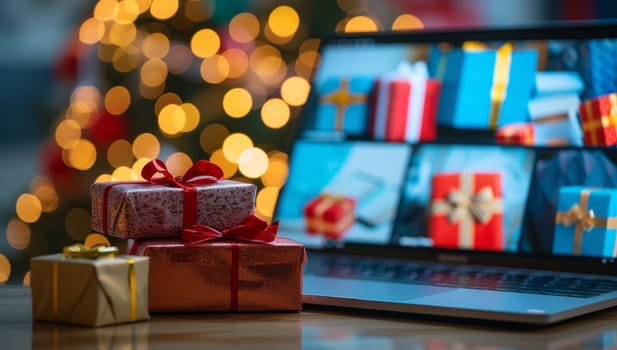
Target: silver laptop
[{"x": 456, "y": 221}]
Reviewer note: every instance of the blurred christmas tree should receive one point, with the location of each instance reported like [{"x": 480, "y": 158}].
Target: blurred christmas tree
[{"x": 178, "y": 80}]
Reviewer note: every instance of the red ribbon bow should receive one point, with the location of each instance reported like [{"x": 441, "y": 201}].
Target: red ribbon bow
[
  {"x": 202, "y": 172},
  {"x": 251, "y": 229}
]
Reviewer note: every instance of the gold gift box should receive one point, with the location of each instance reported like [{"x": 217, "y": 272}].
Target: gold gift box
[{"x": 89, "y": 291}]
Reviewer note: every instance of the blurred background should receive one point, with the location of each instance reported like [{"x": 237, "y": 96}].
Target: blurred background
[{"x": 92, "y": 90}]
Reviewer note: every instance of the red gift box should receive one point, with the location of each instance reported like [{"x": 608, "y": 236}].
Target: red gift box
[
  {"x": 404, "y": 106},
  {"x": 515, "y": 134},
  {"x": 163, "y": 206},
  {"x": 329, "y": 215},
  {"x": 467, "y": 211},
  {"x": 599, "y": 120},
  {"x": 223, "y": 275}
]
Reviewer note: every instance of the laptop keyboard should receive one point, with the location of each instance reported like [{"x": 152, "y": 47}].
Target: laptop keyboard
[{"x": 521, "y": 281}]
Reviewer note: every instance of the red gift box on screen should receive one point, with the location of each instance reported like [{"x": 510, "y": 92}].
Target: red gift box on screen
[
  {"x": 244, "y": 268},
  {"x": 599, "y": 120},
  {"x": 404, "y": 105},
  {"x": 330, "y": 215},
  {"x": 515, "y": 134},
  {"x": 467, "y": 211}
]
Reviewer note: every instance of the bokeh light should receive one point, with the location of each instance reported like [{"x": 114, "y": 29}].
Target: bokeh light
[
  {"x": 214, "y": 69},
  {"x": 26, "y": 280},
  {"x": 126, "y": 58},
  {"x": 146, "y": 145},
  {"x": 104, "y": 10},
  {"x": 163, "y": 9},
  {"x": 179, "y": 59},
  {"x": 407, "y": 22},
  {"x": 77, "y": 223},
  {"x": 28, "y": 208},
  {"x": 143, "y": 5},
  {"x": 229, "y": 168},
  {"x": 178, "y": 163},
  {"x": 126, "y": 11},
  {"x": 117, "y": 100},
  {"x": 139, "y": 165},
  {"x": 166, "y": 99},
  {"x": 238, "y": 62},
  {"x": 205, "y": 43},
  {"x": 237, "y": 102},
  {"x": 283, "y": 21},
  {"x": 253, "y": 162},
  {"x": 119, "y": 153},
  {"x": 91, "y": 31},
  {"x": 171, "y": 119},
  {"x": 361, "y": 24},
  {"x": 275, "y": 113},
  {"x": 212, "y": 137},
  {"x": 155, "y": 45},
  {"x": 244, "y": 27},
  {"x": 43, "y": 188},
  {"x": 295, "y": 91},
  {"x": 67, "y": 133},
  {"x": 151, "y": 92},
  {"x": 104, "y": 178},
  {"x": 82, "y": 155},
  {"x": 265, "y": 61},
  {"x": 266, "y": 201},
  {"x": 124, "y": 173},
  {"x": 122, "y": 34},
  {"x": 5, "y": 269},
  {"x": 18, "y": 234},
  {"x": 87, "y": 95},
  {"x": 234, "y": 145},
  {"x": 198, "y": 10},
  {"x": 276, "y": 175},
  {"x": 191, "y": 117},
  {"x": 153, "y": 72}
]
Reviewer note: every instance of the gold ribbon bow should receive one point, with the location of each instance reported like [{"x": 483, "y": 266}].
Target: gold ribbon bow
[
  {"x": 465, "y": 207},
  {"x": 480, "y": 206},
  {"x": 583, "y": 219}
]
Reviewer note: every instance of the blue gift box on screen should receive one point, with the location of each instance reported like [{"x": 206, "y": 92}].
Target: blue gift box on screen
[
  {"x": 343, "y": 105},
  {"x": 484, "y": 88},
  {"x": 586, "y": 222}
]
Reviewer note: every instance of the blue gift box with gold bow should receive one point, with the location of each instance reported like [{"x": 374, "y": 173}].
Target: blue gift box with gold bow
[
  {"x": 343, "y": 105},
  {"x": 483, "y": 88},
  {"x": 89, "y": 287},
  {"x": 586, "y": 222}
]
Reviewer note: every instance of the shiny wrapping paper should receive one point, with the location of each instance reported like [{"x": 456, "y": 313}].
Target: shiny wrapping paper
[
  {"x": 144, "y": 210},
  {"x": 224, "y": 275},
  {"x": 467, "y": 211},
  {"x": 90, "y": 292}
]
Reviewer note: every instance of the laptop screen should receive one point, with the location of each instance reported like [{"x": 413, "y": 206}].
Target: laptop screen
[{"x": 469, "y": 141}]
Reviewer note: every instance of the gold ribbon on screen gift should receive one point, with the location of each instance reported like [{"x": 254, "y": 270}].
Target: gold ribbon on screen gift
[
  {"x": 96, "y": 252},
  {"x": 501, "y": 76},
  {"x": 341, "y": 99},
  {"x": 464, "y": 207},
  {"x": 583, "y": 220}
]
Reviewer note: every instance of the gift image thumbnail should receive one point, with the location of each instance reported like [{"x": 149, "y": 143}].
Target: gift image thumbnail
[
  {"x": 571, "y": 207},
  {"x": 342, "y": 191},
  {"x": 464, "y": 197}
]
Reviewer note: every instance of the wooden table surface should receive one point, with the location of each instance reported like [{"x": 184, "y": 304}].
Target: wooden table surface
[{"x": 309, "y": 329}]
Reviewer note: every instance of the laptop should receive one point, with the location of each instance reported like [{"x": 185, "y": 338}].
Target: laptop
[{"x": 456, "y": 220}]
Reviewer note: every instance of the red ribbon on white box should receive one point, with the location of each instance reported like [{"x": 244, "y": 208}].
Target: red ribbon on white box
[{"x": 416, "y": 76}]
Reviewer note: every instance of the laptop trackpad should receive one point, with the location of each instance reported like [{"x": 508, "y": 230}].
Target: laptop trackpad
[{"x": 366, "y": 289}]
